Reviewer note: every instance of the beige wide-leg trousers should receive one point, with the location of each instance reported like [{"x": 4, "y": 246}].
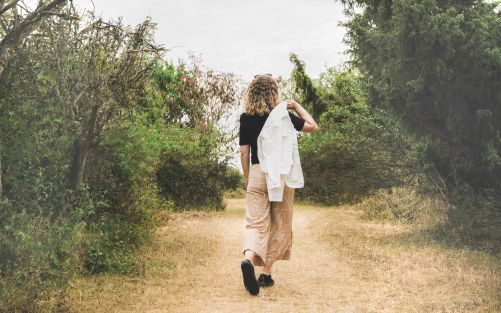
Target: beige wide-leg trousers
[{"x": 268, "y": 231}]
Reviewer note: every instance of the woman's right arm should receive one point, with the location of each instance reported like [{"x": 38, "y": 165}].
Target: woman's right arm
[{"x": 310, "y": 126}]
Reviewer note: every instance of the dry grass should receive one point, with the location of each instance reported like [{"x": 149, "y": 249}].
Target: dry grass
[
  {"x": 400, "y": 268},
  {"x": 340, "y": 263}
]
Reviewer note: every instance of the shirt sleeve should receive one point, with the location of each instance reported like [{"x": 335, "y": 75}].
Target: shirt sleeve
[
  {"x": 297, "y": 121},
  {"x": 243, "y": 136}
]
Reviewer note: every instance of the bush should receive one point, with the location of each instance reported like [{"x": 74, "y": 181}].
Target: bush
[
  {"x": 357, "y": 150},
  {"x": 38, "y": 254},
  {"x": 193, "y": 176},
  {"x": 473, "y": 219},
  {"x": 138, "y": 171},
  {"x": 125, "y": 197},
  {"x": 111, "y": 246},
  {"x": 39, "y": 216}
]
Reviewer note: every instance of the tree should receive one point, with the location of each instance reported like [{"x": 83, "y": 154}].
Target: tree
[
  {"x": 108, "y": 65},
  {"x": 17, "y": 23},
  {"x": 199, "y": 97},
  {"x": 304, "y": 87},
  {"x": 437, "y": 65}
]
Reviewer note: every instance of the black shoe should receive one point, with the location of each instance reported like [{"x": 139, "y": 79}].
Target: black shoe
[
  {"x": 250, "y": 281},
  {"x": 265, "y": 280}
]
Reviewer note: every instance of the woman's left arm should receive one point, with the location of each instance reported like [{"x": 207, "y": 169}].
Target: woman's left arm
[{"x": 245, "y": 160}]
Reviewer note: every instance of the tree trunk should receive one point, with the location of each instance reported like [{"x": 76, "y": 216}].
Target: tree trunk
[
  {"x": 81, "y": 149},
  {"x": 4, "y": 58},
  {"x": 80, "y": 153},
  {"x": 1, "y": 186}
]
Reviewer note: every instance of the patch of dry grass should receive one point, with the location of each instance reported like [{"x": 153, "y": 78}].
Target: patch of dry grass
[
  {"x": 403, "y": 204},
  {"x": 181, "y": 244},
  {"x": 401, "y": 268},
  {"x": 340, "y": 263}
]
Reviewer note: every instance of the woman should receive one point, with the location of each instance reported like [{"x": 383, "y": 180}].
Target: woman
[{"x": 268, "y": 231}]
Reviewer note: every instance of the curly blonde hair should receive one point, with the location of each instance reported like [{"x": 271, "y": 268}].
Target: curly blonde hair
[{"x": 261, "y": 96}]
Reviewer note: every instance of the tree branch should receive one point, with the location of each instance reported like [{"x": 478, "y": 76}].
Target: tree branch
[
  {"x": 4, "y": 26},
  {"x": 13, "y": 37},
  {"x": 8, "y": 6}
]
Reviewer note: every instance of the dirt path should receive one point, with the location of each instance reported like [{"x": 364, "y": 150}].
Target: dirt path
[{"x": 339, "y": 264}]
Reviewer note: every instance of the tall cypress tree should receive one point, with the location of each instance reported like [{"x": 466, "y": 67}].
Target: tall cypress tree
[{"x": 437, "y": 64}]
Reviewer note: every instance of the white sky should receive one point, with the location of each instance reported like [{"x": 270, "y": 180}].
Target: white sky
[{"x": 241, "y": 36}]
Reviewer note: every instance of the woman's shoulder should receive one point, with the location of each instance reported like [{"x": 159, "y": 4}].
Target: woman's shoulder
[
  {"x": 248, "y": 117},
  {"x": 243, "y": 117}
]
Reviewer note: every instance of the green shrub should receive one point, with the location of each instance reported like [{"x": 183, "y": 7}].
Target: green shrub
[
  {"x": 195, "y": 182},
  {"x": 38, "y": 214},
  {"x": 125, "y": 196},
  {"x": 356, "y": 152},
  {"x": 111, "y": 245},
  {"x": 139, "y": 170},
  {"x": 473, "y": 219},
  {"x": 194, "y": 177},
  {"x": 38, "y": 254}
]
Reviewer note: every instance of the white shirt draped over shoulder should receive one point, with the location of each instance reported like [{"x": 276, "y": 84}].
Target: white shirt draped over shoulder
[{"x": 278, "y": 153}]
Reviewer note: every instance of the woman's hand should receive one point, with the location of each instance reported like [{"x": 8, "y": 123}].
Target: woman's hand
[
  {"x": 291, "y": 104},
  {"x": 309, "y": 123}
]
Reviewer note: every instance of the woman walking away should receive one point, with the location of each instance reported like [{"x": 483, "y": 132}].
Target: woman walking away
[{"x": 271, "y": 168}]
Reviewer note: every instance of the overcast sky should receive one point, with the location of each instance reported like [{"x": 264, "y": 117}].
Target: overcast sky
[{"x": 241, "y": 36}]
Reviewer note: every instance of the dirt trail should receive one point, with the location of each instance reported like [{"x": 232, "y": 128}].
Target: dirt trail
[
  {"x": 195, "y": 267},
  {"x": 306, "y": 283}
]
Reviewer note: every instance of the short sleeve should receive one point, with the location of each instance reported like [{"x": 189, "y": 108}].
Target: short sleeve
[
  {"x": 297, "y": 121},
  {"x": 243, "y": 136}
]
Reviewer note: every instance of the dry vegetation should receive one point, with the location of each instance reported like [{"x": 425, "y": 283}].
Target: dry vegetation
[{"x": 340, "y": 263}]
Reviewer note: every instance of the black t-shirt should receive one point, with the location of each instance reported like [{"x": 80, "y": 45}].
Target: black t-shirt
[{"x": 250, "y": 127}]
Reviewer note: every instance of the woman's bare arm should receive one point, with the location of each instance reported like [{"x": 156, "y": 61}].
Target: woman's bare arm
[
  {"x": 310, "y": 126},
  {"x": 244, "y": 159}
]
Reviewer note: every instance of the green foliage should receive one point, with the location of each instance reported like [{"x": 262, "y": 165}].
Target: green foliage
[
  {"x": 169, "y": 79},
  {"x": 87, "y": 121},
  {"x": 110, "y": 245},
  {"x": 193, "y": 176},
  {"x": 197, "y": 97},
  {"x": 358, "y": 150},
  {"x": 473, "y": 219},
  {"x": 362, "y": 151},
  {"x": 38, "y": 254},
  {"x": 38, "y": 215},
  {"x": 304, "y": 88},
  {"x": 436, "y": 64},
  {"x": 125, "y": 196}
]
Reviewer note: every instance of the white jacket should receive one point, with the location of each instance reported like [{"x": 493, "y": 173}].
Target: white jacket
[{"x": 278, "y": 153}]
